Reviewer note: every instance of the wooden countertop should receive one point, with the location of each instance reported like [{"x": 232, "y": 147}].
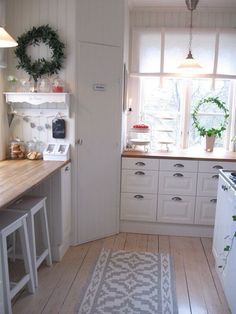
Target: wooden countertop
[
  {"x": 18, "y": 176},
  {"x": 199, "y": 154}
]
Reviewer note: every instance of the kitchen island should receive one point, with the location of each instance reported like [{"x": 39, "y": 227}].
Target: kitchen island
[
  {"x": 18, "y": 176},
  {"x": 39, "y": 177}
]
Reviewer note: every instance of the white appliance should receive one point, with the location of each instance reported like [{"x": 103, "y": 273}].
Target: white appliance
[{"x": 224, "y": 231}]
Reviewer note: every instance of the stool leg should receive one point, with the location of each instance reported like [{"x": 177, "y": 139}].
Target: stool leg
[
  {"x": 30, "y": 219},
  {"x": 44, "y": 223},
  {"x": 14, "y": 246},
  {"x": 27, "y": 255},
  {"x": 5, "y": 274}
]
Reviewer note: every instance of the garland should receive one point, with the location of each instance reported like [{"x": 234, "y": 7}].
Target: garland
[
  {"x": 41, "y": 66},
  {"x": 212, "y": 131}
]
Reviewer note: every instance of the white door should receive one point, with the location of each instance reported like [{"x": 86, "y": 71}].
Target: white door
[{"x": 99, "y": 133}]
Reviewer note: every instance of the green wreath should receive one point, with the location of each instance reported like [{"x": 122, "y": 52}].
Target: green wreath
[
  {"x": 212, "y": 131},
  {"x": 41, "y": 66}
]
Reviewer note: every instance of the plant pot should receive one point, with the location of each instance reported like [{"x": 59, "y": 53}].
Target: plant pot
[{"x": 209, "y": 143}]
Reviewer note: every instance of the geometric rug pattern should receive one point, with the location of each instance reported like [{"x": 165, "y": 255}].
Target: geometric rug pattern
[{"x": 126, "y": 282}]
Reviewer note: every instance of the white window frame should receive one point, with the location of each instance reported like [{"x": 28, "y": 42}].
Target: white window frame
[{"x": 184, "y": 127}]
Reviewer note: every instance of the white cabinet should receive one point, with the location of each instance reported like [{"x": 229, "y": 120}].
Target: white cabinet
[
  {"x": 139, "y": 189},
  {"x": 139, "y": 181},
  {"x": 205, "y": 210},
  {"x": 179, "y": 183},
  {"x": 224, "y": 231},
  {"x": 140, "y": 163},
  {"x": 178, "y": 165},
  {"x": 207, "y": 184},
  {"x": 138, "y": 207},
  {"x": 176, "y": 209},
  {"x": 215, "y": 166}
]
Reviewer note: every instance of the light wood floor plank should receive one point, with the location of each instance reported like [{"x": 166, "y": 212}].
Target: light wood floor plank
[
  {"x": 164, "y": 244},
  {"x": 142, "y": 242},
  {"x": 180, "y": 276},
  {"x": 120, "y": 241},
  {"x": 131, "y": 242},
  {"x": 152, "y": 243}
]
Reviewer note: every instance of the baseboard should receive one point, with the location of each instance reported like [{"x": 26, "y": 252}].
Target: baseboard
[{"x": 166, "y": 229}]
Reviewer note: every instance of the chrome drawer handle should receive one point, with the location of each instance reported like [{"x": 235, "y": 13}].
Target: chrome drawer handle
[
  {"x": 179, "y": 166},
  {"x": 138, "y": 197},
  {"x": 140, "y": 173},
  {"x": 214, "y": 200},
  {"x": 216, "y": 176},
  {"x": 178, "y": 175},
  {"x": 67, "y": 168},
  {"x": 140, "y": 163},
  {"x": 176, "y": 199},
  {"x": 217, "y": 167}
]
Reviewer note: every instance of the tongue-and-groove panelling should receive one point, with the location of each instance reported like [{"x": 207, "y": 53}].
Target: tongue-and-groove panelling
[
  {"x": 61, "y": 15},
  {"x": 180, "y": 17}
]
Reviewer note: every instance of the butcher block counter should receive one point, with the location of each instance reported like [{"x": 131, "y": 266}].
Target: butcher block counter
[
  {"x": 194, "y": 154},
  {"x": 18, "y": 176}
]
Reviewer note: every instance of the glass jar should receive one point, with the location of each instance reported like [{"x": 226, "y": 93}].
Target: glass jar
[
  {"x": 58, "y": 85},
  {"x": 44, "y": 85},
  {"x": 17, "y": 149}
]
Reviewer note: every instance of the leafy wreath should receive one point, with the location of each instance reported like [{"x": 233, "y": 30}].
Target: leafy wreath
[
  {"x": 212, "y": 131},
  {"x": 41, "y": 66}
]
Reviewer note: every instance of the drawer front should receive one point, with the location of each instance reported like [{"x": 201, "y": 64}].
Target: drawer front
[
  {"x": 205, "y": 210},
  {"x": 175, "y": 209},
  {"x": 178, "y": 165},
  {"x": 214, "y": 166},
  {"x": 140, "y": 163},
  {"x": 138, "y": 207},
  {"x": 177, "y": 183},
  {"x": 207, "y": 184},
  {"x": 139, "y": 181}
]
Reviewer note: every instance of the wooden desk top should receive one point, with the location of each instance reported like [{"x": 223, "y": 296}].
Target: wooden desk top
[
  {"x": 197, "y": 154},
  {"x": 18, "y": 176}
]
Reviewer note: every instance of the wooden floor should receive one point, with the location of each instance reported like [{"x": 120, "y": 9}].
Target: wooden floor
[{"x": 198, "y": 288}]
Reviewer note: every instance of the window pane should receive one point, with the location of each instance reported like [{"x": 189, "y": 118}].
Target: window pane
[
  {"x": 210, "y": 116},
  {"x": 226, "y": 59},
  {"x": 160, "y": 108},
  {"x": 146, "y": 47}
]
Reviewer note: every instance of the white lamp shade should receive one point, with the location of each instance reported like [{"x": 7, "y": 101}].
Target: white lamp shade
[
  {"x": 189, "y": 64},
  {"x": 6, "y": 41}
]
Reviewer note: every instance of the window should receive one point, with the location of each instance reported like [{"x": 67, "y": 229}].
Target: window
[{"x": 165, "y": 100}]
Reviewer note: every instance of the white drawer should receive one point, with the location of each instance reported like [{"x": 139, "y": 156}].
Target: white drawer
[
  {"x": 140, "y": 207},
  {"x": 175, "y": 209},
  {"x": 205, "y": 210},
  {"x": 207, "y": 184},
  {"x": 139, "y": 181},
  {"x": 177, "y": 183},
  {"x": 178, "y": 165},
  {"x": 214, "y": 166},
  {"x": 140, "y": 163}
]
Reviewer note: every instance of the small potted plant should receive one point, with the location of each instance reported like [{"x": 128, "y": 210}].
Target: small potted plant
[{"x": 210, "y": 133}]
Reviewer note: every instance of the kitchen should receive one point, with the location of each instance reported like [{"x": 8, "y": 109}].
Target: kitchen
[{"x": 98, "y": 36}]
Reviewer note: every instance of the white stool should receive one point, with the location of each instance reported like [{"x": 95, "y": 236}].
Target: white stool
[
  {"x": 31, "y": 205},
  {"x": 10, "y": 221}
]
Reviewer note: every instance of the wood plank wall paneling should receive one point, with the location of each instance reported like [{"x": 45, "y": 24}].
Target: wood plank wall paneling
[
  {"x": 61, "y": 15},
  {"x": 171, "y": 17}
]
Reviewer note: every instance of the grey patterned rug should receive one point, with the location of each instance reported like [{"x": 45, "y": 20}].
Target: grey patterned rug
[{"x": 130, "y": 283}]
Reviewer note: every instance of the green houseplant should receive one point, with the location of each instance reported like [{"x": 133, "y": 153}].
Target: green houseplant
[{"x": 210, "y": 133}]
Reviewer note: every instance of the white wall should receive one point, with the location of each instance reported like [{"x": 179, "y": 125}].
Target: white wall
[{"x": 60, "y": 15}]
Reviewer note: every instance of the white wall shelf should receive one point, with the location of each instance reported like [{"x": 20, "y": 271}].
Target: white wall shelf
[{"x": 37, "y": 98}]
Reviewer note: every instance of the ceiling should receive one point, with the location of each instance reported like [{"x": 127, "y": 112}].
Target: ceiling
[{"x": 180, "y": 3}]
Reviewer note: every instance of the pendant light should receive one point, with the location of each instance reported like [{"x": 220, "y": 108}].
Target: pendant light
[
  {"x": 6, "y": 41},
  {"x": 190, "y": 63}
]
